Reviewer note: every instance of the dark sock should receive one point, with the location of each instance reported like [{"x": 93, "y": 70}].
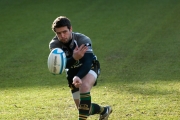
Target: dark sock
[
  {"x": 103, "y": 111},
  {"x": 96, "y": 109},
  {"x": 84, "y": 106}
]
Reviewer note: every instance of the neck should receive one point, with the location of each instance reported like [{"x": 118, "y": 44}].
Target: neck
[{"x": 68, "y": 43}]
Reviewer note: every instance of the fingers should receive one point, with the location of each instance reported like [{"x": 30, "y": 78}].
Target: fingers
[
  {"x": 83, "y": 48},
  {"x": 79, "y": 52},
  {"x": 77, "y": 82},
  {"x": 77, "y": 85}
]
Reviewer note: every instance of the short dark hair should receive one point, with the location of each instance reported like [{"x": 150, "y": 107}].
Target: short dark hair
[{"x": 61, "y": 21}]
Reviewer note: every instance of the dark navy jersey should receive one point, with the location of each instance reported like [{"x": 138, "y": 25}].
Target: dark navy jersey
[{"x": 75, "y": 68}]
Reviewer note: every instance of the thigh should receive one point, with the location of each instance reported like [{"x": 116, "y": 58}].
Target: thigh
[{"x": 87, "y": 83}]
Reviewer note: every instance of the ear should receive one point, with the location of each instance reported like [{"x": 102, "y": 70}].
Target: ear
[{"x": 70, "y": 29}]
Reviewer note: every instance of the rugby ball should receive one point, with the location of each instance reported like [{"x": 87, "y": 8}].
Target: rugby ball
[{"x": 56, "y": 61}]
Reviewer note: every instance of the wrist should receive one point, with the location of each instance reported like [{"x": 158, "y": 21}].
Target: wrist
[{"x": 75, "y": 58}]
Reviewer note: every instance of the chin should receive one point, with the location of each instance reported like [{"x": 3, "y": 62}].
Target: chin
[{"x": 64, "y": 41}]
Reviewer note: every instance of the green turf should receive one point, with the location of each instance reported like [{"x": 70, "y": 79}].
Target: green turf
[{"x": 136, "y": 41}]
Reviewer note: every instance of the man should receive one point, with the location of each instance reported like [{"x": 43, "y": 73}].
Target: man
[{"x": 82, "y": 67}]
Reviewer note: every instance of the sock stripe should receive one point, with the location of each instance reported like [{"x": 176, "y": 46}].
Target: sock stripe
[
  {"x": 101, "y": 110},
  {"x": 91, "y": 110},
  {"x": 83, "y": 117},
  {"x": 85, "y": 96}
]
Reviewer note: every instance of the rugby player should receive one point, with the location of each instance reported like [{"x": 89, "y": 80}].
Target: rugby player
[{"x": 82, "y": 67}]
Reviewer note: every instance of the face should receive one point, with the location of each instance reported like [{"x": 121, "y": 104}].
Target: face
[{"x": 64, "y": 34}]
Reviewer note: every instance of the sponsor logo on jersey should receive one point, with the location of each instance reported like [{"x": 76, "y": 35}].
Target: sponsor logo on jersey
[{"x": 76, "y": 65}]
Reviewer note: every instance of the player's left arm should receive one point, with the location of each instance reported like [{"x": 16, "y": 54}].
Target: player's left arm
[
  {"x": 88, "y": 57},
  {"x": 86, "y": 66}
]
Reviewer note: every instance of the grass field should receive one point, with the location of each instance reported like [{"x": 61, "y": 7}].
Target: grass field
[{"x": 136, "y": 41}]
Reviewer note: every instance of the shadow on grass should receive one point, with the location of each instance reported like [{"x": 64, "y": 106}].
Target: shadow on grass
[
  {"x": 150, "y": 87},
  {"x": 31, "y": 80},
  {"x": 136, "y": 85}
]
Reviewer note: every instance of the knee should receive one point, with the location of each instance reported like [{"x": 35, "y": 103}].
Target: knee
[{"x": 85, "y": 87}]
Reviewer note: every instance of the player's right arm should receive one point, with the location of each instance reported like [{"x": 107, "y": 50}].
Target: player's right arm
[{"x": 78, "y": 53}]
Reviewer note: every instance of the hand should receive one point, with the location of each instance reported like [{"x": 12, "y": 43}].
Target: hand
[
  {"x": 79, "y": 52},
  {"x": 77, "y": 82}
]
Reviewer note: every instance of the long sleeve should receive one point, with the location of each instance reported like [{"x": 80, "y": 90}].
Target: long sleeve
[{"x": 86, "y": 66}]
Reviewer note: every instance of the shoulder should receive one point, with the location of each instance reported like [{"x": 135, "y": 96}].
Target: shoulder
[
  {"x": 81, "y": 38},
  {"x": 54, "y": 43}
]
